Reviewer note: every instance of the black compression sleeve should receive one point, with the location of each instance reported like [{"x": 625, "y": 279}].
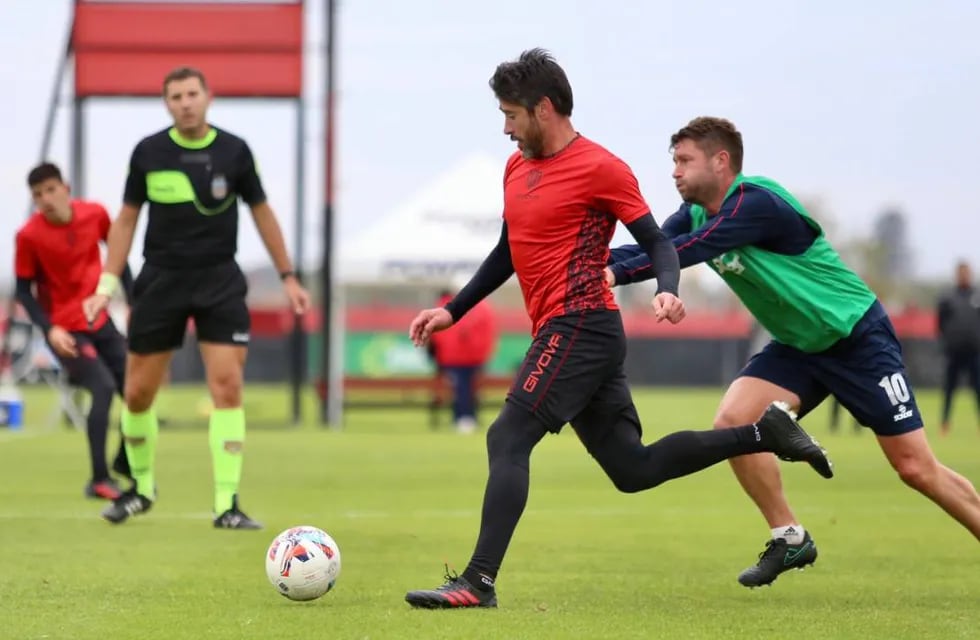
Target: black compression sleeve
[
  {"x": 25, "y": 296},
  {"x": 495, "y": 270},
  {"x": 660, "y": 249}
]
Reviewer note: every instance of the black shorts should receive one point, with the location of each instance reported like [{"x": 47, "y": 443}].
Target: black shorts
[
  {"x": 101, "y": 359},
  {"x": 864, "y": 371},
  {"x": 573, "y": 372},
  {"x": 165, "y": 299}
]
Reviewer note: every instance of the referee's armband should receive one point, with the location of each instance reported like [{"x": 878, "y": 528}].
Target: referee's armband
[{"x": 108, "y": 283}]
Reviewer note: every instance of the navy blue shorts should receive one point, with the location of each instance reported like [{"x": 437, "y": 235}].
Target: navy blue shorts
[{"x": 864, "y": 371}]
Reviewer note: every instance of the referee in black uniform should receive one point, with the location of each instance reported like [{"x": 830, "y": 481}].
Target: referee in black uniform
[{"x": 192, "y": 175}]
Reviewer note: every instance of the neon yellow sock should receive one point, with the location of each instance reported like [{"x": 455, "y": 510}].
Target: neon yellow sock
[
  {"x": 226, "y": 434},
  {"x": 141, "y": 455}
]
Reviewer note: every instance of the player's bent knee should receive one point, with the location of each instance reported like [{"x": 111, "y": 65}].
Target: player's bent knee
[
  {"x": 630, "y": 470},
  {"x": 917, "y": 473},
  {"x": 501, "y": 439},
  {"x": 101, "y": 396},
  {"x": 513, "y": 434},
  {"x": 630, "y": 482}
]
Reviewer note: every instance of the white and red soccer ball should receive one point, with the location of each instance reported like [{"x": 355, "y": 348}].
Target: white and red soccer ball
[{"x": 303, "y": 563}]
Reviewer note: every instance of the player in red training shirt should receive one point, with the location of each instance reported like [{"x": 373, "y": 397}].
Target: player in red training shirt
[
  {"x": 57, "y": 263},
  {"x": 563, "y": 195}
]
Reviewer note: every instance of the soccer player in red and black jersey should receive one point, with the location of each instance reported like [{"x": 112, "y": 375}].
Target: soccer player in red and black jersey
[
  {"x": 563, "y": 195},
  {"x": 57, "y": 263}
]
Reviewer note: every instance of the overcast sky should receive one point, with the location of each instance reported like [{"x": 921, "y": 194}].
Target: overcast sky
[{"x": 865, "y": 105}]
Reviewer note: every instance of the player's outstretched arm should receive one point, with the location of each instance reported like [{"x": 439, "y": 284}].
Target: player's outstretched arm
[
  {"x": 745, "y": 219},
  {"x": 61, "y": 341},
  {"x": 495, "y": 270},
  {"x": 25, "y": 296},
  {"x": 630, "y": 263},
  {"x": 659, "y": 251},
  {"x": 271, "y": 234},
  {"x": 665, "y": 266}
]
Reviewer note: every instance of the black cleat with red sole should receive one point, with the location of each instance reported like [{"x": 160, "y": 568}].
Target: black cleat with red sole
[{"x": 456, "y": 593}]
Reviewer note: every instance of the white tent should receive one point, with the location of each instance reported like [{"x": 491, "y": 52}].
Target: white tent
[{"x": 443, "y": 231}]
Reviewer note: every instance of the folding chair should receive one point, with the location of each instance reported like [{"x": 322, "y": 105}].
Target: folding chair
[{"x": 32, "y": 362}]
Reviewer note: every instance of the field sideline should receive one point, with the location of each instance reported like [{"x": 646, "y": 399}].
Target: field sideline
[{"x": 586, "y": 562}]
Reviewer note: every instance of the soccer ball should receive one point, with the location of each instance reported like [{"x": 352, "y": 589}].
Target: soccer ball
[{"x": 303, "y": 563}]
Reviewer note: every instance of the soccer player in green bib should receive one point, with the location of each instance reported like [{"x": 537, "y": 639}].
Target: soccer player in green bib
[{"x": 831, "y": 335}]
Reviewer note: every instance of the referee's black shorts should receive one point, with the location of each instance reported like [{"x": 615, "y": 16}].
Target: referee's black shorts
[
  {"x": 165, "y": 299},
  {"x": 573, "y": 372}
]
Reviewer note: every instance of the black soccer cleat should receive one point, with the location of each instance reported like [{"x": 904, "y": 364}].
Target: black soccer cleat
[
  {"x": 103, "y": 489},
  {"x": 456, "y": 593},
  {"x": 779, "y": 556},
  {"x": 235, "y": 518},
  {"x": 128, "y": 504},
  {"x": 788, "y": 440}
]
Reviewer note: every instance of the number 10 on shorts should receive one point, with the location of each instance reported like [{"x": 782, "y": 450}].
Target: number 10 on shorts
[{"x": 896, "y": 389}]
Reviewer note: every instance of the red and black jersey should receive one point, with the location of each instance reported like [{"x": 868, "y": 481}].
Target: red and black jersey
[
  {"x": 65, "y": 262},
  {"x": 561, "y": 213}
]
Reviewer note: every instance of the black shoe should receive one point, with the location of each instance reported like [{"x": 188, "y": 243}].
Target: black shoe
[
  {"x": 235, "y": 518},
  {"x": 126, "y": 505},
  {"x": 790, "y": 442},
  {"x": 456, "y": 593},
  {"x": 779, "y": 556},
  {"x": 103, "y": 489}
]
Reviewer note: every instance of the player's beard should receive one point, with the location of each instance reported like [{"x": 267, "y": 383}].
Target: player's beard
[
  {"x": 533, "y": 141},
  {"x": 699, "y": 193}
]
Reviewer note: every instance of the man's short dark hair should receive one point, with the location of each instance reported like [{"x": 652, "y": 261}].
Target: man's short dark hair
[
  {"x": 42, "y": 172},
  {"x": 533, "y": 76},
  {"x": 184, "y": 73},
  {"x": 713, "y": 135}
]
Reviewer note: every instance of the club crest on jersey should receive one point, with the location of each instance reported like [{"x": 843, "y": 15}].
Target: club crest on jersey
[
  {"x": 219, "y": 187},
  {"x": 728, "y": 262},
  {"x": 533, "y": 178}
]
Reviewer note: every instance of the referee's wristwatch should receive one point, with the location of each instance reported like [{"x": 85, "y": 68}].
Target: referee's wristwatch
[{"x": 287, "y": 274}]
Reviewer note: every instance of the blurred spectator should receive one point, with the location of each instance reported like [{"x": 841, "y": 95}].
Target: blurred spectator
[
  {"x": 460, "y": 353},
  {"x": 959, "y": 332}
]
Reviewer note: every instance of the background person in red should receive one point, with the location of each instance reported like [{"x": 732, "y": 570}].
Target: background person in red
[
  {"x": 461, "y": 352},
  {"x": 563, "y": 195},
  {"x": 57, "y": 263}
]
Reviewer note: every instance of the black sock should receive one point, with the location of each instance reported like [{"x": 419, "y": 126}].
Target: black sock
[{"x": 480, "y": 581}]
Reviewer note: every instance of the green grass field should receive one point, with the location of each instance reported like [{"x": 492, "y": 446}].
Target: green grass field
[{"x": 586, "y": 562}]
